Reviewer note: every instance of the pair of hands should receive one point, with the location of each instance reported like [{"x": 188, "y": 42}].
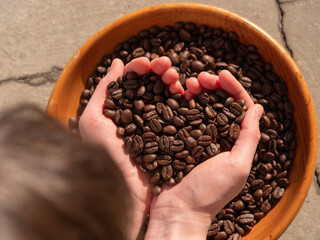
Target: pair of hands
[{"x": 184, "y": 211}]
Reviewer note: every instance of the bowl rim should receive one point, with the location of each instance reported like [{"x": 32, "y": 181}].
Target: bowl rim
[{"x": 85, "y": 48}]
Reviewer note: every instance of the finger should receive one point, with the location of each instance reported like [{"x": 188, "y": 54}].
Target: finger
[
  {"x": 194, "y": 86},
  {"x": 188, "y": 95},
  {"x": 160, "y": 65},
  {"x": 231, "y": 85},
  {"x": 208, "y": 81},
  {"x": 245, "y": 146},
  {"x": 170, "y": 76},
  {"x": 100, "y": 93},
  {"x": 176, "y": 88},
  {"x": 139, "y": 65}
]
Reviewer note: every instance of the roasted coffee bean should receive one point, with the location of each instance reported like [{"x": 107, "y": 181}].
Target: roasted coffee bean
[
  {"x": 197, "y": 151},
  {"x": 204, "y": 140},
  {"x": 170, "y": 130},
  {"x": 109, "y": 104},
  {"x": 155, "y": 125},
  {"x": 190, "y": 142},
  {"x": 156, "y": 190},
  {"x": 151, "y": 147},
  {"x": 148, "y": 137},
  {"x": 179, "y": 165},
  {"x": 235, "y": 236},
  {"x": 234, "y": 131},
  {"x": 213, "y": 149},
  {"x": 130, "y": 128},
  {"x": 172, "y": 103},
  {"x": 212, "y": 131},
  {"x": 138, "y": 105},
  {"x": 213, "y": 230},
  {"x": 179, "y": 176},
  {"x": 246, "y": 219},
  {"x": 164, "y": 160},
  {"x": 109, "y": 113},
  {"x": 277, "y": 193},
  {"x": 239, "y": 205},
  {"x": 112, "y": 86},
  {"x": 155, "y": 178},
  {"x": 138, "y": 120},
  {"x": 235, "y": 108},
  {"x": 167, "y": 172},
  {"x": 120, "y": 131},
  {"x": 228, "y": 114},
  {"x": 196, "y": 133},
  {"x": 222, "y": 119},
  {"x": 183, "y": 154},
  {"x": 167, "y": 113},
  {"x": 210, "y": 112},
  {"x": 177, "y": 146},
  {"x": 126, "y": 116},
  {"x": 220, "y": 236},
  {"x": 228, "y": 227},
  {"x": 193, "y": 114}
]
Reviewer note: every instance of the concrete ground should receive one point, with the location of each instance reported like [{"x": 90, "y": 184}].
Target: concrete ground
[{"x": 38, "y": 38}]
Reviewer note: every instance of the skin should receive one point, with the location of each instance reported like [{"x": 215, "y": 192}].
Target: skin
[{"x": 184, "y": 211}]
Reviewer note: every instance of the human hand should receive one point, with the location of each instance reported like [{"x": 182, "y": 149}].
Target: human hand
[
  {"x": 96, "y": 128},
  {"x": 186, "y": 210}
]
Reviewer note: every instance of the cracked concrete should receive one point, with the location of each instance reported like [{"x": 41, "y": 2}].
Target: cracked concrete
[
  {"x": 281, "y": 29},
  {"x": 39, "y": 37}
]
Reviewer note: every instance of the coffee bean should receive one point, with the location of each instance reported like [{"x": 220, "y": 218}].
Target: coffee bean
[
  {"x": 167, "y": 113},
  {"x": 239, "y": 206},
  {"x": 183, "y": 154},
  {"x": 197, "y": 151},
  {"x": 126, "y": 116},
  {"x": 210, "y": 112},
  {"x": 213, "y": 149},
  {"x": 112, "y": 86},
  {"x": 204, "y": 140},
  {"x": 120, "y": 131},
  {"x": 213, "y": 230},
  {"x": 222, "y": 119},
  {"x": 155, "y": 178},
  {"x": 220, "y": 236},
  {"x": 235, "y": 108},
  {"x": 246, "y": 219},
  {"x": 170, "y": 130},
  {"x": 156, "y": 190},
  {"x": 277, "y": 193},
  {"x": 193, "y": 114},
  {"x": 190, "y": 142},
  {"x": 185, "y": 35},
  {"x": 177, "y": 145},
  {"x": 196, "y": 133},
  {"x": 179, "y": 165},
  {"x": 167, "y": 172},
  {"x": 130, "y": 128},
  {"x": 155, "y": 125},
  {"x": 151, "y": 147},
  {"x": 164, "y": 160},
  {"x": 172, "y": 103},
  {"x": 212, "y": 131},
  {"x": 234, "y": 131},
  {"x": 228, "y": 227}
]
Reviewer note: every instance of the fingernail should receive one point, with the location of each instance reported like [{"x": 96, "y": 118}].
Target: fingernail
[{"x": 259, "y": 111}]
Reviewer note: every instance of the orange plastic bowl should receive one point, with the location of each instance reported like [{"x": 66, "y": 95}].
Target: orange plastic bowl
[{"x": 64, "y": 99}]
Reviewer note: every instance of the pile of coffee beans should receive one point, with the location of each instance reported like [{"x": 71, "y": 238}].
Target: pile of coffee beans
[
  {"x": 193, "y": 49},
  {"x": 167, "y": 135}
]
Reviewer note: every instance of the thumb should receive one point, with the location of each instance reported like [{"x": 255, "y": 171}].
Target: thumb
[
  {"x": 99, "y": 95},
  {"x": 245, "y": 146}
]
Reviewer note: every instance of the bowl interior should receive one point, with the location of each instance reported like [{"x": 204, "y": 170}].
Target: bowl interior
[{"x": 64, "y": 100}]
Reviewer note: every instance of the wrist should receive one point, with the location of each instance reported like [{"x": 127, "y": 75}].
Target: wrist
[{"x": 174, "y": 223}]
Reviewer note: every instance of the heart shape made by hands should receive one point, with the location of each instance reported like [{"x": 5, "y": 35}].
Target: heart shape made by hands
[{"x": 166, "y": 130}]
